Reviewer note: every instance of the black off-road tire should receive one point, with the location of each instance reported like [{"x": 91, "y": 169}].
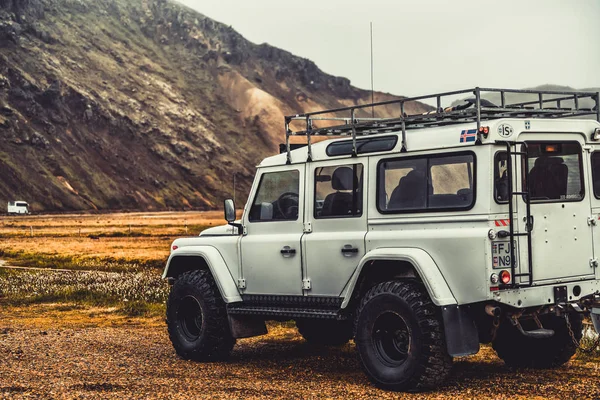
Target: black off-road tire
[
  {"x": 325, "y": 332},
  {"x": 197, "y": 318},
  {"x": 399, "y": 336},
  {"x": 518, "y": 351}
]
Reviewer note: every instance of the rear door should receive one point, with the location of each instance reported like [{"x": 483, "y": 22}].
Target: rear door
[
  {"x": 594, "y": 185},
  {"x": 561, "y": 239},
  {"x": 335, "y": 207}
]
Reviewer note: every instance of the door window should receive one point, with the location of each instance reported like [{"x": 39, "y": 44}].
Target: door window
[
  {"x": 338, "y": 191},
  {"x": 501, "y": 178},
  {"x": 555, "y": 171},
  {"x": 596, "y": 173},
  {"x": 277, "y": 197}
]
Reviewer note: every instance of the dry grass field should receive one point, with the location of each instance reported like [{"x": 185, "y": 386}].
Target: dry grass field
[
  {"x": 98, "y": 241},
  {"x": 88, "y": 322}
]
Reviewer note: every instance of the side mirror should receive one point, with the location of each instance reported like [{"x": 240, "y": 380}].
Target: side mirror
[
  {"x": 230, "y": 216},
  {"x": 229, "y": 210}
]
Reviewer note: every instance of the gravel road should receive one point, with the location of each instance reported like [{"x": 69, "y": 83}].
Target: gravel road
[{"x": 58, "y": 352}]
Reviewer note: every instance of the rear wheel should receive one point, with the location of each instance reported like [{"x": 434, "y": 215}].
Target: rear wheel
[
  {"x": 399, "y": 337},
  {"x": 325, "y": 332},
  {"x": 197, "y": 318},
  {"x": 520, "y": 351}
]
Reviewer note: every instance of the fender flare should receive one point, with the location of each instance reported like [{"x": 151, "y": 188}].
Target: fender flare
[
  {"x": 217, "y": 266},
  {"x": 428, "y": 271},
  {"x": 460, "y": 330}
]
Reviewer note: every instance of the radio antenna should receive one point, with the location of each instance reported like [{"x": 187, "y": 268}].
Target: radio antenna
[{"x": 372, "y": 92}]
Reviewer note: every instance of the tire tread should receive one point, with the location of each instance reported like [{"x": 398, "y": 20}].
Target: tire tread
[
  {"x": 435, "y": 363},
  {"x": 218, "y": 342}
]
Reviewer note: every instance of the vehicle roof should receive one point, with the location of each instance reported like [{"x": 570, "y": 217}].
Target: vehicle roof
[{"x": 449, "y": 137}]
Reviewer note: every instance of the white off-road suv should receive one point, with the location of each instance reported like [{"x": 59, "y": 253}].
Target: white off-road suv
[{"x": 419, "y": 236}]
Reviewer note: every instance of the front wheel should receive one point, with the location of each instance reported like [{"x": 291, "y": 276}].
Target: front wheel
[
  {"x": 197, "y": 318},
  {"x": 399, "y": 337}
]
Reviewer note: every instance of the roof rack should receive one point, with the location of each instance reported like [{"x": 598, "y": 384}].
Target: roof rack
[{"x": 549, "y": 104}]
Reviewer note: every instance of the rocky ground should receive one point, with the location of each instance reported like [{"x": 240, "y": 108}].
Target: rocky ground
[{"x": 60, "y": 351}]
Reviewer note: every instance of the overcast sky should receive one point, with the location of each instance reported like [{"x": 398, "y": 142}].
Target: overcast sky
[{"x": 427, "y": 46}]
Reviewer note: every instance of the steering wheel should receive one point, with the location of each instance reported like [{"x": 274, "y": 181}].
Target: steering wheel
[{"x": 287, "y": 205}]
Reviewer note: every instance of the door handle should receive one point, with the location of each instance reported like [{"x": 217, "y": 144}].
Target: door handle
[
  {"x": 529, "y": 224},
  {"x": 349, "y": 251},
  {"x": 287, "y": 251}
]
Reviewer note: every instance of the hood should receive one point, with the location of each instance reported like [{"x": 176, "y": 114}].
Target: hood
[{"x": 219, "y": 230}]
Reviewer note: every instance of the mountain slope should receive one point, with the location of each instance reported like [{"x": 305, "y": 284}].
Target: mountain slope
[{"x": 142, "y": 104}]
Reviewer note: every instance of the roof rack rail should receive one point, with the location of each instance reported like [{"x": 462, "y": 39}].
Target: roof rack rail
[{"x": 549, "y": 104}]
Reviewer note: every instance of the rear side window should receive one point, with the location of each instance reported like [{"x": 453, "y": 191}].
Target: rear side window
[
  {"x": 277, "y": 197},
  {"x": 442, "y": 182},
  {"x": 338, "y": 191},
  {"x": 501, "y": 178},
  {"x": 555, "y": 171},
  {"x": 363, "y": 146},
  {"x": 596, "y": 173}
]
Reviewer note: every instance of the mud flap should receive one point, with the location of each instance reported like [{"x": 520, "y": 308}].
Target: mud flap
[
  {"x": 462, "y": 337},
  {"x": 246, "y": 326},
  {"x": 595, "y": 316}
]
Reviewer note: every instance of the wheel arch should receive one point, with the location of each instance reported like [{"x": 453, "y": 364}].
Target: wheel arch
[
  {"x": 392, "y": 263},
  {"x": 192, "y": 258},
  {"x": 386, "y": 264}
]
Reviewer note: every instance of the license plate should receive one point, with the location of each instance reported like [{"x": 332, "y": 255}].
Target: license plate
[{"x": 501, "y": 254}]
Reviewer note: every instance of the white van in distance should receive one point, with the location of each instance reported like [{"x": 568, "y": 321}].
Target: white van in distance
[{"x": 18, "y": 207}]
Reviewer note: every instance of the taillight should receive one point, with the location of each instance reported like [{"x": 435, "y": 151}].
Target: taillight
[
  {"x": 175, "y": 247},
  {"x": 505, "y": 277}
]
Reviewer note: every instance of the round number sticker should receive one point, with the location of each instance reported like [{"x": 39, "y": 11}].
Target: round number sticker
[{"x": 505, "y": 130}]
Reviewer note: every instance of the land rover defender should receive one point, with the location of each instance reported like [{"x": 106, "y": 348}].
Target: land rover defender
[{"x": 417, "y": 236}]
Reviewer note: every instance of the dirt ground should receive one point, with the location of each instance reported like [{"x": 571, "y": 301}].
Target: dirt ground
[{"x": 57, "y": 351}]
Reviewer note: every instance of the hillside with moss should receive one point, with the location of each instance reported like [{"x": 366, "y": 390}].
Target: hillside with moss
[{"x": 142, "y": 104}]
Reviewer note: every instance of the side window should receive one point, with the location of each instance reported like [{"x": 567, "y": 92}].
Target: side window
[
  {"x": 500, "y": 178},
  {"x": 428, "y": 183},
  {"x": 596, "y": 173},
  {"x": 338, "y": 191},
  {"x": 277, "y": 197}
]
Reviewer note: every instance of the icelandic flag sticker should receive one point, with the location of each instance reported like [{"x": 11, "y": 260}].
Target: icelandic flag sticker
[{"x": 468, "y": 136}]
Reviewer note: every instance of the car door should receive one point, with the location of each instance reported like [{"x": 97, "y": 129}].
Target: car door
[
  {"x": 270, "y": 249},
  {"x": 561, "y": 239},
  {"x": 594, "y": 185},
  {"x": 335, "y": 205}
]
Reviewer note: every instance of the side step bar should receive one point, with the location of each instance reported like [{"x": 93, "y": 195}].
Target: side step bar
[
  {"x": 540, "y": 333},
  {"x": 289, "y": 312}
]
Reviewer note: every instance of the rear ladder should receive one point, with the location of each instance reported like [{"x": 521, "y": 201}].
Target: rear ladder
[{"x": 523, "y": 155}]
